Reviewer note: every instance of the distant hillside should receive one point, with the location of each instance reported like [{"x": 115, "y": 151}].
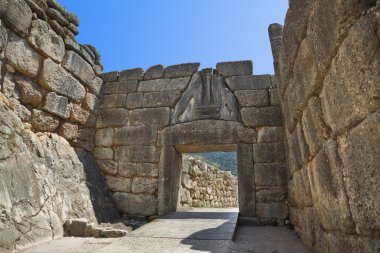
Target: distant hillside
[{"x": 223, "y": 160}]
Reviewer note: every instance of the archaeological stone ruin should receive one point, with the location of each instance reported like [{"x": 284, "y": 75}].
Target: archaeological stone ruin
[{"x": 77, "y": 143}]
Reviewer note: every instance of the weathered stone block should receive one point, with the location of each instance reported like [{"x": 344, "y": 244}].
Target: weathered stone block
[
  {"x": 127, "y": 169},
  {"x": 55, "y": 78},
  {"x": 104, "y": 137},
  {"x": 22, "y": 57},
  {"x": 345, "y": 101},
  {"x": 119, "y": 184},
  {"x": 142, "y": 154},
  {"x": 134, "y": 135},
  {"x": 133, "y": 204},
  {"x": 161, "y": 99},
  {"x": 271, "y": 194},
  {"x": 256, "y": 82},
  {"x": 112, "y": 76},
  {"x": 91, "y": 102},
  {"x": 131, "y": 74},
  {"x": 181, "y": 70},
  {"x": 268, "y": 152},
  {"x": 30, "y": 93},
  {"x": 274, "y": 96},
  {"x": 8, "y": 87},
  {"x": 121, "y": 87},
  {"x": 154, "y": 72},
  {"x": 360, "y": 152},
  {"x": 270, "y": 174},
  {"x": 252, "y": 98},
  {"x": 77, "y": 66},
  {"x": 103, "y": 153},
  {"x": 247, "y": 188},
  {"x": 78, "y": 114},
  {"x": 144, "y": 185},
  {"x": 234, "y": 68},
  {"x": 272, "y": 210},
  {"x": 299, "y": 189},
  {"x": 57, "y": 105},
  {"x": 95, "y": 85},
  {"x": 164, "y": 84},
  {"x": 134, "y": 100},
  {"x": 264, "y": 116},
  {"x": 43, "y": 121},
  {"x": 44, "y": 39},
  {"x": 16, "y": 14},
  {"x": 275, "y": 35},
  {"x": 3, "y": 36},
  {"x": 114, "y": 101},
  {"x": 116, "y": 117},
  {"x": 108, "y": 167},
  {"x": 270, "y": 134},
  {"x": 68, "y": 131},
  {"x": 150, "y": 116}
]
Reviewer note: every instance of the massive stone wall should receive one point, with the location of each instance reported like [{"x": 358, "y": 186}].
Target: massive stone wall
[
  {"x": 203, "y": 185},
  {"x": 148, "y": 118},
  {"x": 49, "y": 91},
  {"x": 327, "y": 60}
]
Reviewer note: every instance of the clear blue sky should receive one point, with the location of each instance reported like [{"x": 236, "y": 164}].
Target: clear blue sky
[{"x": 142, "y": 33}]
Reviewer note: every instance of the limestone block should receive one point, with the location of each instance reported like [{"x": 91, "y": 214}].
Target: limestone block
[
  {"x": 185, "y": 180},
  {"x": 117, "y": 117},
  {"x": 275, "y": 35},
  {"x": 272, "y": 210},
  {"x": 274, "y": 96},
  {"x": 134, "y": 100},
  {"x": 56, "y": 105},
  {"x": 43, "y": 121},
  {"x": 78, "y": 114},
  {"x": 108, "y": 167},
  {"x": 164, "y": 84},
  {"x": 264, "y": 116},
  {"x": 57, "y": 16},
  {"x": 270, "y": 174},
  {"x": 131, "y": 74},
  {"x": 44, "y": 39},
  {"x": 104, "y": 137},
  {"x": 151, "y": 116},
  {"x": 345, "y": 101},
  {"x": 37, "y": 10},
  {"x": 271, "y": 194},
  {"x": 114, "y": 101},
  {"x": 144, "y": 185},
  {"x": 9, "y": 87},
  {"x": 256, "y": 82},
  {"x": 68, "y": 131},
  {"x": 161, "y": 99},
  {"x": 133, "y": 204},
  {"x": 21, "y": 56},
  {"x": 95, "y": 85},
  {"x": 55, "y": 78},
  {"x": 134, "y": 135},
  {"x": 16, "y": 14},
  {"x": 299, "y": 189},
  {"x": 3, "y": 36},
  {"x": 270, "y": 134},
  {"x": 252, "y": 98},
  {"x": 127, "y": 169},
  {"x": 120, "y": 87},
  {"x": 268, "y": 152},
  {"x": 103, "y": 153},
  {"x": 77, "y": 66},
  {"x": 328, "y": 191},
  {"x": 144, "y": 154},
  {"x": 112, "y": 76},
  {"x": 117, "y": 184},
  {"x": 154, "y": 72},
  {"x": 91, "y": 102},
  {"x": 234, "y": 68},
  {"x": 360, "y": 152},
  {"x": 30, "y": 93},
  {"x": 181, "y": 70}
]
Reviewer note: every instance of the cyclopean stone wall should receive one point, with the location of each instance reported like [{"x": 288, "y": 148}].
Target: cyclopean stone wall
[
  {"x": 327, "y": 60},
  {"x": 148, "y": 118},
  {"x": 49, "y": 88},
  {"x": 203, "y": 185}
]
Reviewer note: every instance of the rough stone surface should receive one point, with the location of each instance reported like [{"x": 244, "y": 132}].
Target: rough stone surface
[
  {"x": 154, "y": 72},
  {"x": 69, "y": 131},
  {"x": 16, "y": 14},
  {"x": 134, "y": 100},
  {"x": 270, "y": 134},
  {"x": 77, "y": 66},
  {"x": 30, "y": 93},
  {"x": 265, "y": 116},
  {"x": 112, "y": 117},
  {"x": 145, "y": 154},
  {"x": 136, "y": 135},
  {"x": 43, "y": 38},
  {"x": 22, "y": 57},
  {"x": 161, "y": 99},
  {"x": 43, "y": 121},
  {"x": 131, "y": 74},
  {"x": 181, "y": 70},
  {"x": 164, "y": 84},
  {"x": 252, "y": 98},
  {"x": 144, "y": 185},
  {"x": 270, "y": 174},
  {"x": 55, "y": 78},
  {"x": 79, "y": 115},
  {"x": 56, "y": 105},
  {"x": 248, "y": 82},
  {"x": 153, "y": 116},
  {"x": 236, "y": 68},
  {"x": 136, "y": 204},
  {"x": 121, "y": 87},
  {"x": 114, "y": 101}
]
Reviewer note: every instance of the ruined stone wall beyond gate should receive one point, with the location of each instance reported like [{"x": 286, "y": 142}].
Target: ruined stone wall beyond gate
[{"x": 327, "y": 60}]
